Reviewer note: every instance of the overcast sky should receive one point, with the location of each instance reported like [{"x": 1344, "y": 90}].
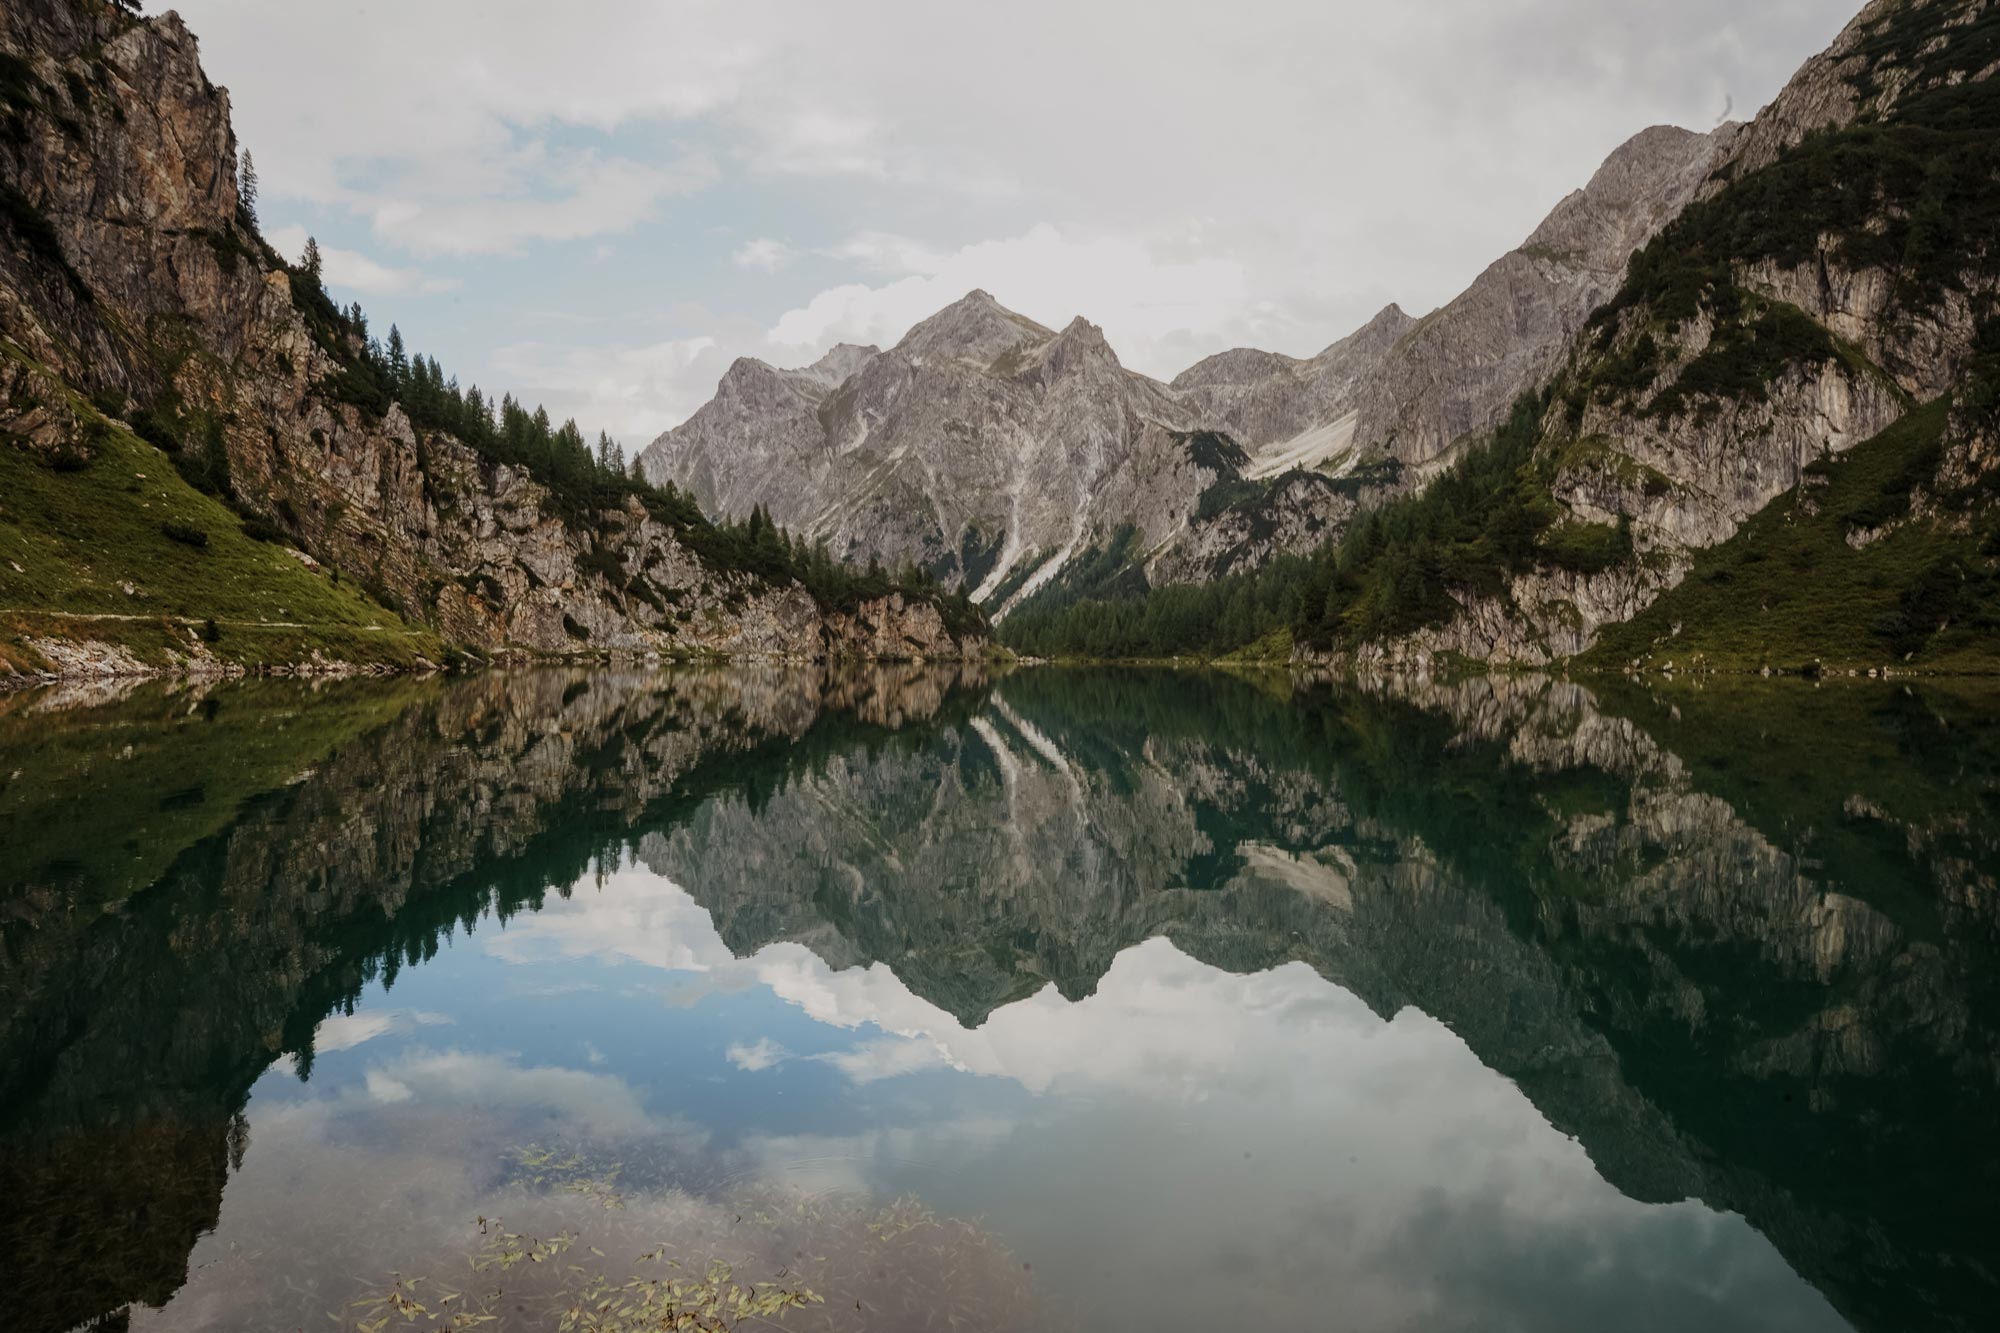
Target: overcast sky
[{"x": 599, "y": 204}]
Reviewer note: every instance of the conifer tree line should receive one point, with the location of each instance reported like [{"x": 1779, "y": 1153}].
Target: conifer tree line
[{"x": 583, "y": 478}]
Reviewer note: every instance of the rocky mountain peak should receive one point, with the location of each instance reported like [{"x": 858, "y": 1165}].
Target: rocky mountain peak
[
  {"x": 1454, "y": 374},
  {"x": 975, "y": 328},
  {"x": 1079, "y": 346},
  {"x": 1391, "y": 319},
  {"x": 754, "y": 383},
  {"x": 1370, "y": 341},
  {"x": 1238, "y": 365},
  {"x": 1082, "y": 336},
  {"x": 1866, "y": 73},
  {"x": 747, "y": 376},
  {"x": 1263, "y": 398},
  {"x": 842, "y": 362},
  {"x": 1822, "y": 94},
  {"x": 1642, "y": 185}
]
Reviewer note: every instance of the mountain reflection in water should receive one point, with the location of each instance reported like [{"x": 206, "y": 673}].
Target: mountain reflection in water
[{"x": 1073, "y": 1000}]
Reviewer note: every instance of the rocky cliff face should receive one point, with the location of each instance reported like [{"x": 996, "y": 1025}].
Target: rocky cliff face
[
  {"x": 1803, "y": 304},
  {"x": 1262, "y": 399},
  {"x": 129, "y": 270},
  {"x": 983, "y": 447},
  {"x": 1409, "y": 390},
  {"x": 1457, "y": 373}
]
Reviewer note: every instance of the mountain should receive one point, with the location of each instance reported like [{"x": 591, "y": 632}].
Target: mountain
[
  {"x": 1411, "y": 389},
  {"x": 1457, "y": 373},
  {"x": 1733, "y": 401},
  {"x": 206, "y": 464},
  {"x": 983, "y": 447},
  {"x": 1262, "y": 399},
  {"x": 1819, "y": 327},
  {"x": 1002, "y": 455},
  {"x": 1774, "y": 444}
]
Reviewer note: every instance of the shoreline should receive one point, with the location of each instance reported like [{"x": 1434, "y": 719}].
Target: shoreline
[
  {"x": 1570, "y": 668},
  {"x": 197, "y": 671}
]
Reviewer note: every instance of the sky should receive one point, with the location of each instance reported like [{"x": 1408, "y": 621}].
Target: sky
[{"x": 600, "y": 205}]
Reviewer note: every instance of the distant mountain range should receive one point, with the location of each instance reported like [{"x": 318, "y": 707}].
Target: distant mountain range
[
  {"x": 997, "y": 452},
  {"x": 1736, "y": 402}
]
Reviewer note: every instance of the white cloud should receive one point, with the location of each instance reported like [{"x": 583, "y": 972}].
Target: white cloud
[
  {"x": 764, "y": 254},
  {"x": 758, "y": 1056},
  {"x": 1160, "y": 1024},
  {"x": 472, "y": 151},
  {"x": 584, "y": 1102},
  {"x": 628, "y": 391},
  {"x": 343, "y": 1032},
  {"x": 886, "y": 252},
  {"x": 499, "y": 210},
  {"x": 887, "y": 1057}
]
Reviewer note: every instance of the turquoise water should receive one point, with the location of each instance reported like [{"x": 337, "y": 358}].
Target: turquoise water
[{"x": 1119, "y": 1000}]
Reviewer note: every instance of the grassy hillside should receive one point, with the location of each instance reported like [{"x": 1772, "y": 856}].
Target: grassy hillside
[
  {"x": 1789, "y": 588},
  {"x": 123, "y": 551}
]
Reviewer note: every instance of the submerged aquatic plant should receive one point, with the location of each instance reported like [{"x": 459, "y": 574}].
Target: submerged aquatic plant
[
  {"x": 660, "y": 1260},
  {"x": 569, "y": 1173},
  {"x": 583, "y": 1299}
]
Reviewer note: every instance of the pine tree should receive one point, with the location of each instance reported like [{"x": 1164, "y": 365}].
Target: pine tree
[
  {"x": 569, "y": 456},
  {"x": 246, "y": 186},
  {"x": 310, "y": 261},
  {"x": 771, "y": 539},
  {"x": 399, "y": 358}
]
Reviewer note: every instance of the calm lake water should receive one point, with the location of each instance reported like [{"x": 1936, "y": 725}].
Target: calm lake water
[{"x": 1083, "y": 1001}]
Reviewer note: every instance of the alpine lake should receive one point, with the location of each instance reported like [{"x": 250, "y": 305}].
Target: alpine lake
[{"x": 931, "y": 999}]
